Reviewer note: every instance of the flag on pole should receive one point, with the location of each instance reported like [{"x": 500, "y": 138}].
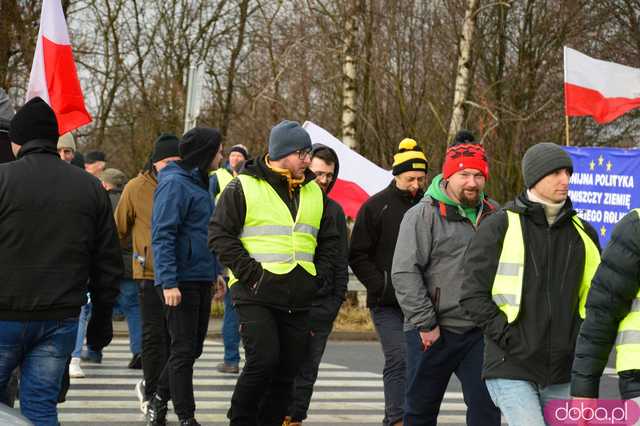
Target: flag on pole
[
  {"x": 358, "y": 178},
  {"x": 53, "y": 74},
  {"x": 600, "y": 89}
]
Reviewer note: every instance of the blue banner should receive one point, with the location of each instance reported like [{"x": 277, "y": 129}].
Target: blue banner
[{"x": 603, "y": 186}]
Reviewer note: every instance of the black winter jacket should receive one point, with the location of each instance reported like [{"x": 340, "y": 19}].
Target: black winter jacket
[
  {"x": 292, "y": 291},
  {"x": 613, "y": 290},
  {"x": 56, "y": 234},
  {"x": 373, "y": 241},
  {"x": 539, "y": 345}
]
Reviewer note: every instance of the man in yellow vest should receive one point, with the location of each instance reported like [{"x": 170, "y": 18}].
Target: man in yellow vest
[
  {"x": 527, "y": 275},
  {"x": 270, "y": 228},
  {"x": 613, "y": 316},
  {"x": 238, "y": 155}
]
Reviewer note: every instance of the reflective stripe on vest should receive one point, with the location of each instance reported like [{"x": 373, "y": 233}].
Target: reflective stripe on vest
[
  {"x": 507, "y": 285},
  {"x": 628, "y": 339},
  {"x": 224, "y": 177},
  {"x": 270, "y": 234}
]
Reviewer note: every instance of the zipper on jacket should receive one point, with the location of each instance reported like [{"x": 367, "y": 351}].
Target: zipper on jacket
[
  {"x": 548, "y": 297},
  {"x": 566, "y": 268}
]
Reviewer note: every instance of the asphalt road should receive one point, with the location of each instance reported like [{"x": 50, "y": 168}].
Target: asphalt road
[{"x": 349, "y": 389}]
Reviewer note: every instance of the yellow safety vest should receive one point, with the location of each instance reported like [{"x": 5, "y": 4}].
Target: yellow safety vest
[
  {"x": 507, "y": 285},
  {"x": 270, "y": 234},
  {"x": 628, "y": 340},
  {"x": 224, "y": 177}
]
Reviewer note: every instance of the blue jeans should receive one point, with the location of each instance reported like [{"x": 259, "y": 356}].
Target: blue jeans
[
  {"x": 388, "y": 322},
  {"x": 129, "y": 304},
  {"x": 429, "y": 372},
  {"x": 522, "y": 402},
  {"x": 41, "y": 350},
  {"x": 83, "y": 321},
  {"x": 230, "y": 332}
]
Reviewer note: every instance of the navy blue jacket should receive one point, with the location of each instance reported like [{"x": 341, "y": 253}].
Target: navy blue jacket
[{"x": 181, "y": 212}]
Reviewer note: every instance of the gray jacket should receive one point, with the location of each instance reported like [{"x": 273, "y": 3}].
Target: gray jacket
[{"x": 427, "y": 270}]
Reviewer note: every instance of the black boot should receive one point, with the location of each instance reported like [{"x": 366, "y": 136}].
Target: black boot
[{"x": 157, "y": 412}]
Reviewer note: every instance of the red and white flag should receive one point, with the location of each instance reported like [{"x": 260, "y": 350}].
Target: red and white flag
[
  {"x": 358, "y": 177},
  {"x": 603, "y": 90},
  {"x": 53, "y": 74}
]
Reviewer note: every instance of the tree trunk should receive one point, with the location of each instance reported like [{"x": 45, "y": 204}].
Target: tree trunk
[
  {"x": 464, "y": 64},
  {"x": 349, "y": 78}
]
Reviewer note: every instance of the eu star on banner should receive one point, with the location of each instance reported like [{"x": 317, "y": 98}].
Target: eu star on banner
[
  {"x": 358, "y": 177},
  {"x": 53, "y": 74},
  {"x": 603, "y": 186}
]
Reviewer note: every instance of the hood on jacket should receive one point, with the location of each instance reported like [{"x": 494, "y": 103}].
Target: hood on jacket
[
  {"x": 436, "y": 190},
  {"x": 197, "y": 149},
  {"x": 316, "y": 147}
]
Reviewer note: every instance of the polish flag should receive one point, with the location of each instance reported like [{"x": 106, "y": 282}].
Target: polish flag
[
  {"x": 358, "y": 177},
  {"x": 603, "y": 90},
  {"x": 53, "y": 74}
]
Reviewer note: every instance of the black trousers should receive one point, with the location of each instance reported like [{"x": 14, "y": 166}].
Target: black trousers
[
  {"x": 274, "y": 343},
  {"x": 320, "y": 329},
  {"x": 187, "y": 324},
  {"x": 155, "y": 337}
]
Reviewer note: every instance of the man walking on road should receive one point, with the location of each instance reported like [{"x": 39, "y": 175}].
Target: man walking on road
[
  {"x": 427, "y": 275},
  {"x": 56, "y": 235},
  {"x": 371, "y": 254},
  {"x": 613, "y": 316},
  {"x": 272, "y": 230},
  {"x": 133, "y": 219},
  {"x": 327, "y": 301},
  {"x": 218, "y": 181},
  {"x": 527, "y": 275},
  {"x": 185, "y": 269}
]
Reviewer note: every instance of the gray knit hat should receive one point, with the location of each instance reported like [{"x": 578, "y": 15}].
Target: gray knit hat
[
  {"x": 67, "y": 141},
  {"x": 113, "y": 177},
  {"x": 542, "y": 159},
  {"x": 287, "y": 137}
]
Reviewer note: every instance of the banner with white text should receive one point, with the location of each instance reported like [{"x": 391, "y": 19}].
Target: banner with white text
[{"x": 603, "y": 186}]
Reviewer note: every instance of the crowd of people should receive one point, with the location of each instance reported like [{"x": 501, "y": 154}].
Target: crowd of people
[{"x": 514, "y": 300}]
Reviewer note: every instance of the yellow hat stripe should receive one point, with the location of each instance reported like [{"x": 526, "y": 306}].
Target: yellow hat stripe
[{"x": 408, "y": 156}]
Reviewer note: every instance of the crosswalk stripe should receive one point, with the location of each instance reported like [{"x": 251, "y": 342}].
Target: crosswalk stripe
[{"x": 341, "y": 396}]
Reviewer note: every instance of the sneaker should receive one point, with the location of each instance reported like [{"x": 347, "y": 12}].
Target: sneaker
[
  {"x": 136, "y": 362},
  {"x": 189, "y": 422},
  {"x": 141, "y": 397},
  {"x": 223, "y": 367},
  {"x": 156, "y": 412},
  {"x": 74, "y": 369},
  {"x": 91, "y": 357}
]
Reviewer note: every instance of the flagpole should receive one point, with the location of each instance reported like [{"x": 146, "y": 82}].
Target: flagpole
[{"x": 566, "y": 125}]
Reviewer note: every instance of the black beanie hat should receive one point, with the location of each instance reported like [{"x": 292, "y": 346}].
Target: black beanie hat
[
  {"x": 165, "y": 146},
  {"x": 93, "y": 156},
  {"x": 35, "y": 120},
  {"x": 241, "y": 149},
  {"x": 543, "y": 159},
  {"x": 409, "y": 158}
]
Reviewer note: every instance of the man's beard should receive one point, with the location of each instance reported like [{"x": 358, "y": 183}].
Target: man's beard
[{"x": 466, "y": 202}]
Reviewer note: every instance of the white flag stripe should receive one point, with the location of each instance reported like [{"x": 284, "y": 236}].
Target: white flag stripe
[
  {"x": 610, "y": 79},
  {"x": 53, "y": 23},
  {"x": 353, "y": 166}
]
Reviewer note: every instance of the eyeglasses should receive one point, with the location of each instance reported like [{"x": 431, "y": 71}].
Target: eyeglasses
[{"x": 303, "y": 153}]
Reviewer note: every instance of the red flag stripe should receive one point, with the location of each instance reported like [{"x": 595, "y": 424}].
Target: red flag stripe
[{"x": 581, "y": 101}]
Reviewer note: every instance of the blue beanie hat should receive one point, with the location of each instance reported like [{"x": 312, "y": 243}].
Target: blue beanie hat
[{"x": 287, "y": 137}]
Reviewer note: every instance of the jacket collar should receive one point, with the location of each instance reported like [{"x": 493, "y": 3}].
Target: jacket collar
[
  {"x": 258, "y": 168},
  {"x": 38, "y": 146},
  {"x": 535, "y": 211}
]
